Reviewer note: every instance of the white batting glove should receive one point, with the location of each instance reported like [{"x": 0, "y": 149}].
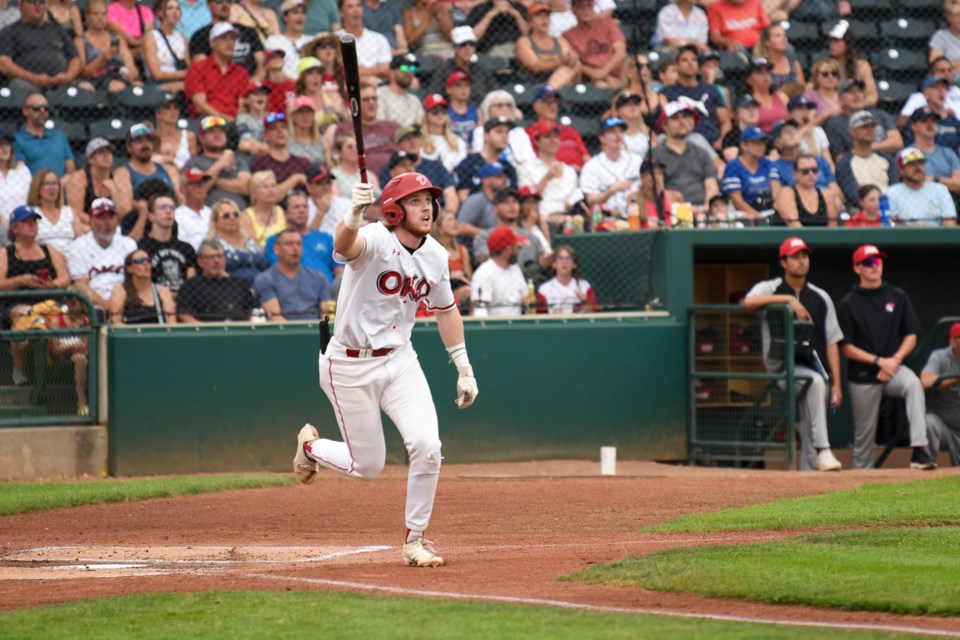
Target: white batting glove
[
  {"x": 466, "y": 387},
  {"x": 361, "y": 197}
]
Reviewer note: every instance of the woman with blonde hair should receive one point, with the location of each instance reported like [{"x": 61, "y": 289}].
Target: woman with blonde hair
[
  {"x": 58, "y": 223},
  {"x": 439, "y": 140},
  {"x": 244, "y": 258},
  {"x": 785, "y": 69},
  {"x": 137, "y": 300},
  {"x": 500, "y": 104},
  {"x": 824, "y": 89},
  {"x": 166, "y": 52},
  {"x": 305, "y": 138},
  {"x": 251, "y": 14},
  {"x": 264, "y": 217}
]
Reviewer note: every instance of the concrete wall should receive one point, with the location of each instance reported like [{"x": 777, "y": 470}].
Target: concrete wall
[{"x": 30, "y": 453}]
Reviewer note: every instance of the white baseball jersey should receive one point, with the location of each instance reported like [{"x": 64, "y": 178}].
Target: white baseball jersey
[
  {"x": 104, "y": 266},
  {"x": 561, "y": 298},
  {"x": 192, "y": 226},
  {"x": 383, "y": 286},
  {"x": 496, "y": 291},
  {"x": 600, "y": 172}
]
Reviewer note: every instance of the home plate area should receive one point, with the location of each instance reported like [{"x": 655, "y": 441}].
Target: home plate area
[{"x": 61, "y": 563}]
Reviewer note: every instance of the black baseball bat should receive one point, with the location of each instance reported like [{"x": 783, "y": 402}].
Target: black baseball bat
[{"x": 351, "y": 76}]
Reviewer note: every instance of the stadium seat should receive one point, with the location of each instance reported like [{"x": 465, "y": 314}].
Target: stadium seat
[
  {"x": 930, "y": 9},
  {"x": 901, "y": 63},
  {"x": 587, "y": 100},
  {"x": 873, "y": 9},
  {"x": 11, "y": 104},
  {"x": 138, "y": 103},
  {"x": 907, "y": 32},
  {"x": 113, "y": 129},
  {"x": 428, "y": 66},
  {"x": 496, "y": 65},
  {"x": 76, "y": 133},
  {"x": 78, "y": 105},
  {"x": 893, "y": 94},
  {"x": 522, "y": 95},
  {"x": 589, "y": 129},
  {"x": 636, "y": 11},
  {"x": 802, "y": 35},
  {"x": 864, "y": 33}
]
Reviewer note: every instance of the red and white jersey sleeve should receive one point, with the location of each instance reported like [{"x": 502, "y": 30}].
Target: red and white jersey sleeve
[{"x": 383, "y": 286}]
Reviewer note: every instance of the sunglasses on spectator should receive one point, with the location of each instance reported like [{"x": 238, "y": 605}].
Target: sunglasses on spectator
[
  {"x": 502, "y": 104},
  {"x": 229, "y": 214},
  {"x": 38, "y": 107},
  {"x": 274, "y": 117},
  {"x": 326, "y": 45},
  {"x": 212, "y": 121},
  {"x": 809, "y": 171},
  {"x": 408, "y": 68},
  {"x": 438, "y": 111},
  {"x": 467, "y": 44},
  {"x": 140, "y": 261},
  {"x": 564, "y": 258},
  {"x": 871, "y": 262},
  {"x": 911, "y": 157},
  {"x": 829, "y": 74}
]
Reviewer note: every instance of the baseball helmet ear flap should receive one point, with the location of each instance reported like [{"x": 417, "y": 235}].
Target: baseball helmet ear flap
[{"x": 400, "y": 187}]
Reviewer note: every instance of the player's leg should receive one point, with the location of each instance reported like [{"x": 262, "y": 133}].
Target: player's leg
[
  {"x": 907, "y": 385},
  {"x": 865, "y": 406},
  {"x": 813, "y": 421}
]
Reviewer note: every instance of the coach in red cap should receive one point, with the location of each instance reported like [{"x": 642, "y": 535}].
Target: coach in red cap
[
  {"x": 943, "y": 401},
  {"x": 880, "y": 330},
  {"x": 821, "y": 362},
  {"x": 498, "y": 287}
]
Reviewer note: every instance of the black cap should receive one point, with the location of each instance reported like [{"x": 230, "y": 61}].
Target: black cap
[
  {"x": 747, "y": 100},
  {"x": 496, "y": 122},
  {"x": 850, "y": 83},
  {"x": 406, "y": 58},
  {"x": 503, "y": 194},
  {"x": 708, "y": 54},
  {"x": 400, "y": 156}
]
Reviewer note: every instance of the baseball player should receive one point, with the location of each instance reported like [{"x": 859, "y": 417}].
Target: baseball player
[{"x": 369, "y": 365}]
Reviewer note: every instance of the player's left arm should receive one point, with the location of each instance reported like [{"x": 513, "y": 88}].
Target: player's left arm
[{"x": 450, "y": 325}]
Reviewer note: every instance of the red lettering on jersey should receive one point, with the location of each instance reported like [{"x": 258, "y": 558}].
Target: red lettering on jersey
[{"x": 393, "y": 283}]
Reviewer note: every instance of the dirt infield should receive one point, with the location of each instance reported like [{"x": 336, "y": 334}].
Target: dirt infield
[{"x": 507, "y": 531}]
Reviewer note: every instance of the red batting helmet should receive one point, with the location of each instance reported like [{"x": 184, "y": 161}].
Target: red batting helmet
[{"x": 400, "y": 187}]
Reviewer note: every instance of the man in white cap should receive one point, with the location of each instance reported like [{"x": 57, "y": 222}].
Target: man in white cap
[
  {"x": 96, "y": 258},
  {"x": 215, "y": 85},
  {"x": 248, "y": 48},
  {"x": 97, "y": 179},
  {"x": 916, "y": 201},
  {"x": 464, "y": 59},
  {"x": 294, "y": 15}
]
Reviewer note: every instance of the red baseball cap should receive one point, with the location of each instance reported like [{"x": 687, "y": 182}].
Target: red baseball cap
[
  {"x": 529, "y": 192},
  {"x": 955, "y": 330},
  {"x": 793, "y": 245},
  {"x": 458, "y": 76},
  {"x": 194, "y": 175},
  {"x": 866, "y": 251},
  {"x": 543, "y": 127},
  {"x": 433, "y": 101},
  {"x": 501, "y": 238},
  {"x": 255, "y": 86}
]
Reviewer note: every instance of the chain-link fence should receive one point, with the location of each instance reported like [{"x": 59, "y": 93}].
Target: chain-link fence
[{"x": 48, "y": 358}]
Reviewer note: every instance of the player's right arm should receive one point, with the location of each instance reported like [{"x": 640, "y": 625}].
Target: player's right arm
[{"x": 347, "y": 241}]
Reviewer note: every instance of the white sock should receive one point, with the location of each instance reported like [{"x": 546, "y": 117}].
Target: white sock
[{"x": 413, "y": 534}]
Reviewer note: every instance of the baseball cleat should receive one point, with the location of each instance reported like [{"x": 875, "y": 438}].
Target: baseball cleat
[
  {"x": 924, "y": 466},
  {"x": 826, "y": 461},
  {"x": 420, "y": 553},
  {"x": 305, "y": 468}
]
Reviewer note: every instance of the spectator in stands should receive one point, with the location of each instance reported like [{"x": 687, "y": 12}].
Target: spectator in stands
[
  {"x": 638, "y": 80},
  {"x": 253, "y": 110},
  {"x": 804, "y": 204},
  {"x": 943, "y": 400},
  {"x": 8, "y": 14},
  {"x": 714, "y": 121},
  {"x": 317, "y": 245},
  {"x": 636, "y": 139},
  {"x": 395, "y": 100},
  {"x": 290, "y": 171},
  {"x": 813, "y": 139},
  {"x": 506, "y": 206},
  {"x": 864, "y": 165},
  {"x": 934, "y": 90},
  {"x": 710, "y": 74},
  {"x": 746, "y": 115},
  {"x": 172, "y": 260},
  {"x": 687, "y": 168},
  {"x": 131, "y": 21},
  {"x": 14, "y": 178},
  {"x": 813, "y": 304},
  {"x": 66, "y": 14},
  {"x": 193, "y": 216},
  {"x": 106, "y": 59},
  {"x": 495, "y": 139},
  {"x": 323, "y": 16},
  {"x": 478, "y": 214},
  {"x": 325, "y": 208},
  {"x": 445, "y": 232},
  {"x": 373, "y": 49},
  {"x": 196, "y": 15},
  {"x": 250, "y": 13},
  {"x": 58, "y": 224},
  {"x": 530, "y": 217},
  {"x": 385, "y": 18},
  {"x": 916, "y": 201},
  {"x": 282, "y": 88},
  {"x": 264, "y": 217},
  {"x": 346, "y": 168},
  {"x": 248, "y": 48},
  {"x": 946, "y": 42},
  {"x": 500, "y": 104},
  {"x": 942, "y": 69},
  {"x": 321, "y": 79},
  {"x": 166, "y": 51},
  {"x": 427, "y": 25},
  {"x": 305, "y": 138},
  {"x": 440, "y": 142},
  {"x": 875, "y": 351},
  {"x": 887, "y": 138},
  {"x": 772, "y": 101},
  {"x": 288, "y": 290},
  {"x": 214, "y": 295},
  {"x": 667, "y": 74},
  {"x": 377, "y": 134},
  {"x": 244, "y": 257},
  {"x": 786, "y": 141},
  {"x": 599, "y": 43},
  {"x": 736, "y": 24},
  {"x": 215, "y": 84},
  {"x": 36, "y": 54},
  {"x": 824, "y": 89},
  {"x": 751, "y": 181},
  {"x": 181, "y": 142},
  {"x": 869, "y": 214},
  {"x": 680, "y": 23},
  {"x": 545, "y": 58},
  {"x": 464, "y": 116},
  {"x": 844, "y": 51},
  {"x": 546, "y": 106},
  {"x": 35, "y": 145},
  {"x": 497, "y": 25},
  {"x": 293, "y": 38},
  {"x": 138, "y": 299},
  {"x": 230, "y": 174},
  {"x": 96, "y": 259},
  {"x": 132, "y": 177},
  {"x": 941, "y": 163},
  {"x": 410, "y": 141},
  {"x": 498, "y": 287},
  {"x": 556, "y": 182},
  {"x": 464, "y": 52},
  {"x": 609, "y": 176},
  {"x": 785, "y": 69},
  {"x": 567, "y": 291},
  {"x": 643, "y": 207}
]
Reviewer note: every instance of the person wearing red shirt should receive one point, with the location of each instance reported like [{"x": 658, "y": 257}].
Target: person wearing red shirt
[
  {"x": 736, "y": 24},
  {"x": 283, "y": 90},
  {"x": 215, "y": 85},
  {"x": 546, "y": 106},
  {"x": 599, "y": 43},
  {"x": 869, "y": 214}
]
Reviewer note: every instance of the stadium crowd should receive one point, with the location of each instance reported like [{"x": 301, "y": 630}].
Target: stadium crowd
[{"x": 222, "y": 204}]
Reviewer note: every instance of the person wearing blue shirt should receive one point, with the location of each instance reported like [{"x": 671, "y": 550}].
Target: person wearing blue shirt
[
  {"x": 751, "y": 180},
  {"x": 942, "y": 163},
  {"x": 288, "y": 290},
  {"x": 916, "y": 201},
  {"x": 715, "y": 118},
  {"x": 38, "y": 147},
  {"x": 786, "y": 140},
  {"x": 317, "y": 245},
  {"x": 194, "y": 15}
]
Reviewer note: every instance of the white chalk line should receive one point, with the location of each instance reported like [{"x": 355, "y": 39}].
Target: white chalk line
[{"x": 563, "y": 604}]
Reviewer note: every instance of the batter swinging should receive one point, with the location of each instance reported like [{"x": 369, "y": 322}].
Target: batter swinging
[{"x": 370, "y": 364}]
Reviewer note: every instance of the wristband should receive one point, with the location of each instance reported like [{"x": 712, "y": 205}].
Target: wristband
[
  {"x": 458, "y": 355},
  {"x": 353, "y": 219},
  {"x": 876, "y": 361}
]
